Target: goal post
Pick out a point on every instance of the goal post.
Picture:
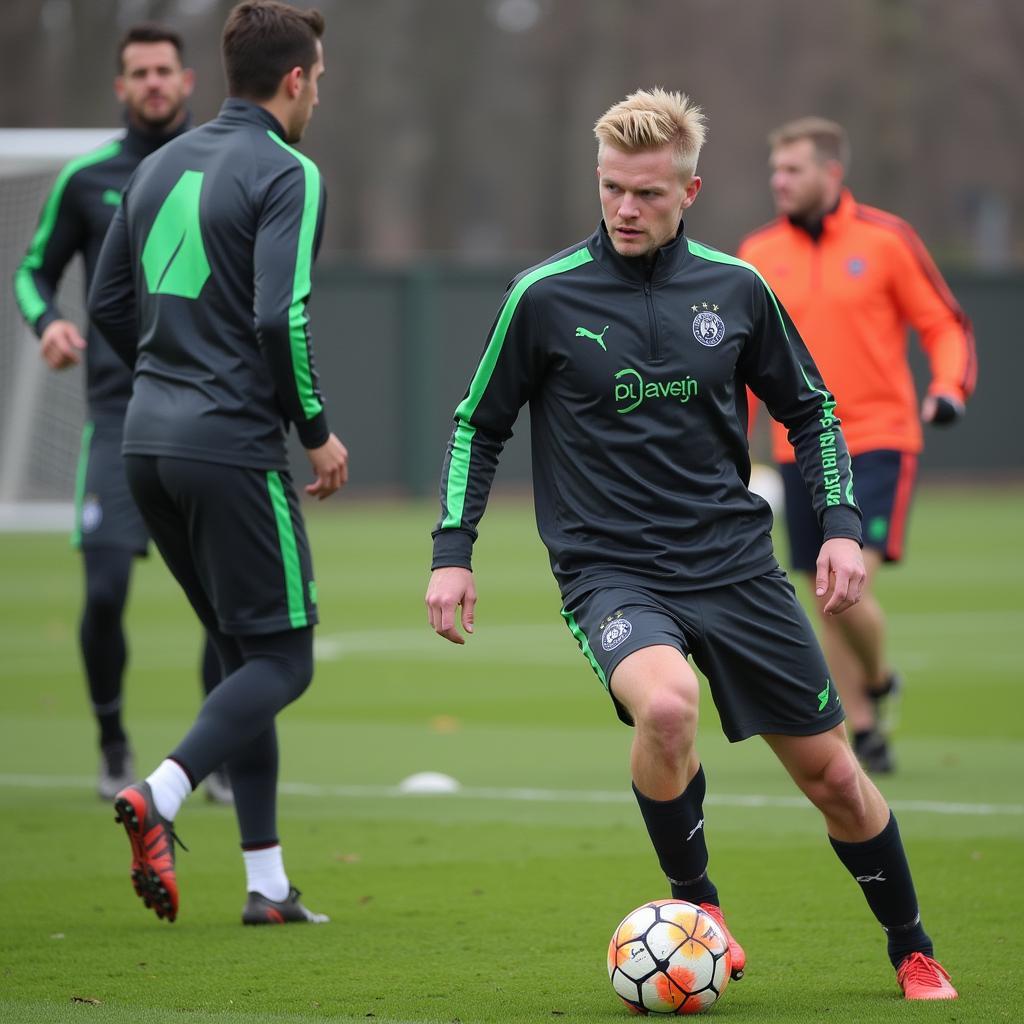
(41, 411)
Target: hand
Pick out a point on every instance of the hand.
(330, 463)
(941, 410)
(449, 587)
(61, 345)
(841, 567)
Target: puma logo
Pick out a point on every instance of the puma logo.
(582, 332)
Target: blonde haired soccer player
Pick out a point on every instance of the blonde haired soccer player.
(661, 552)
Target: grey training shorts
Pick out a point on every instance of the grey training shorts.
(751, 639)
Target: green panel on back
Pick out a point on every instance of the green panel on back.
(173, 258)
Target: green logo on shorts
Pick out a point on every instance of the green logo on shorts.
(823, 696)
(312, 591)
(878, 528)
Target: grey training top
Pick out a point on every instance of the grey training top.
(636, 376)
(74, 218)
(207, 263)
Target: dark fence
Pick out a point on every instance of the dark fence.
(396, 348)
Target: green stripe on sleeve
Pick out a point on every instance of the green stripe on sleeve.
(31, 303)
(289, 551)
(462, 443)
(81, 472)
(581, 639)
(458, 473)
(302, 284)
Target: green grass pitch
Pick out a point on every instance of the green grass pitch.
(496, 904)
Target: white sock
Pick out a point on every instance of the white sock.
(264, 873)
(170, 786)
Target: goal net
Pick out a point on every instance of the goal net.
(41, 411)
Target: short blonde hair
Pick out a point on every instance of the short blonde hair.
(652, 118)
(828, 138)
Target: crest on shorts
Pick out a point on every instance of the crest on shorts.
(92, 513)
(708, 326)
(615, 633)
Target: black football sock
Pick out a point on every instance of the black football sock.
(880, 866)
(676, 828)
(104, 651)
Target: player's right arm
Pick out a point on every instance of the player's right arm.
(287, 237)
(283, 253)
(59, 234)
(451, 587)
(502, 384)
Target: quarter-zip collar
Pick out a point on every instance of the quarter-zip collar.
(637, 269)
(831, 219)
(239, 111)
(139, 141)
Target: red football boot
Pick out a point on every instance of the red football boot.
(152, 838)
(739, 956)
(922, 977)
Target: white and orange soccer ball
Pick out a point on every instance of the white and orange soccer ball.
(668, 956)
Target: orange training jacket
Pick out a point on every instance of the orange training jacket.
(852, 294)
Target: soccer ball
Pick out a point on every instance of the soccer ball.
(668, 956)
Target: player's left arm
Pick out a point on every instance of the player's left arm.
(926, 302)
(778, 369)
(746, 253)
(112, 301)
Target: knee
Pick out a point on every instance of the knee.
(297, 666)
(107, 572)
(105, 596)
(288, 657)
(669, 718)
(838, 785)
(302, 673)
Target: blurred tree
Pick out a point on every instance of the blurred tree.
(464, 126)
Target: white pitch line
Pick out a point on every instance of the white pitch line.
(528, 795)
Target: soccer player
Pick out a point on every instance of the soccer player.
(207, 267)
(634, 349)
(854, 278)
(152, 86)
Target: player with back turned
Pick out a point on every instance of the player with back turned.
(854, 278)
(152, 86)
(634, 349)
(210, 255)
